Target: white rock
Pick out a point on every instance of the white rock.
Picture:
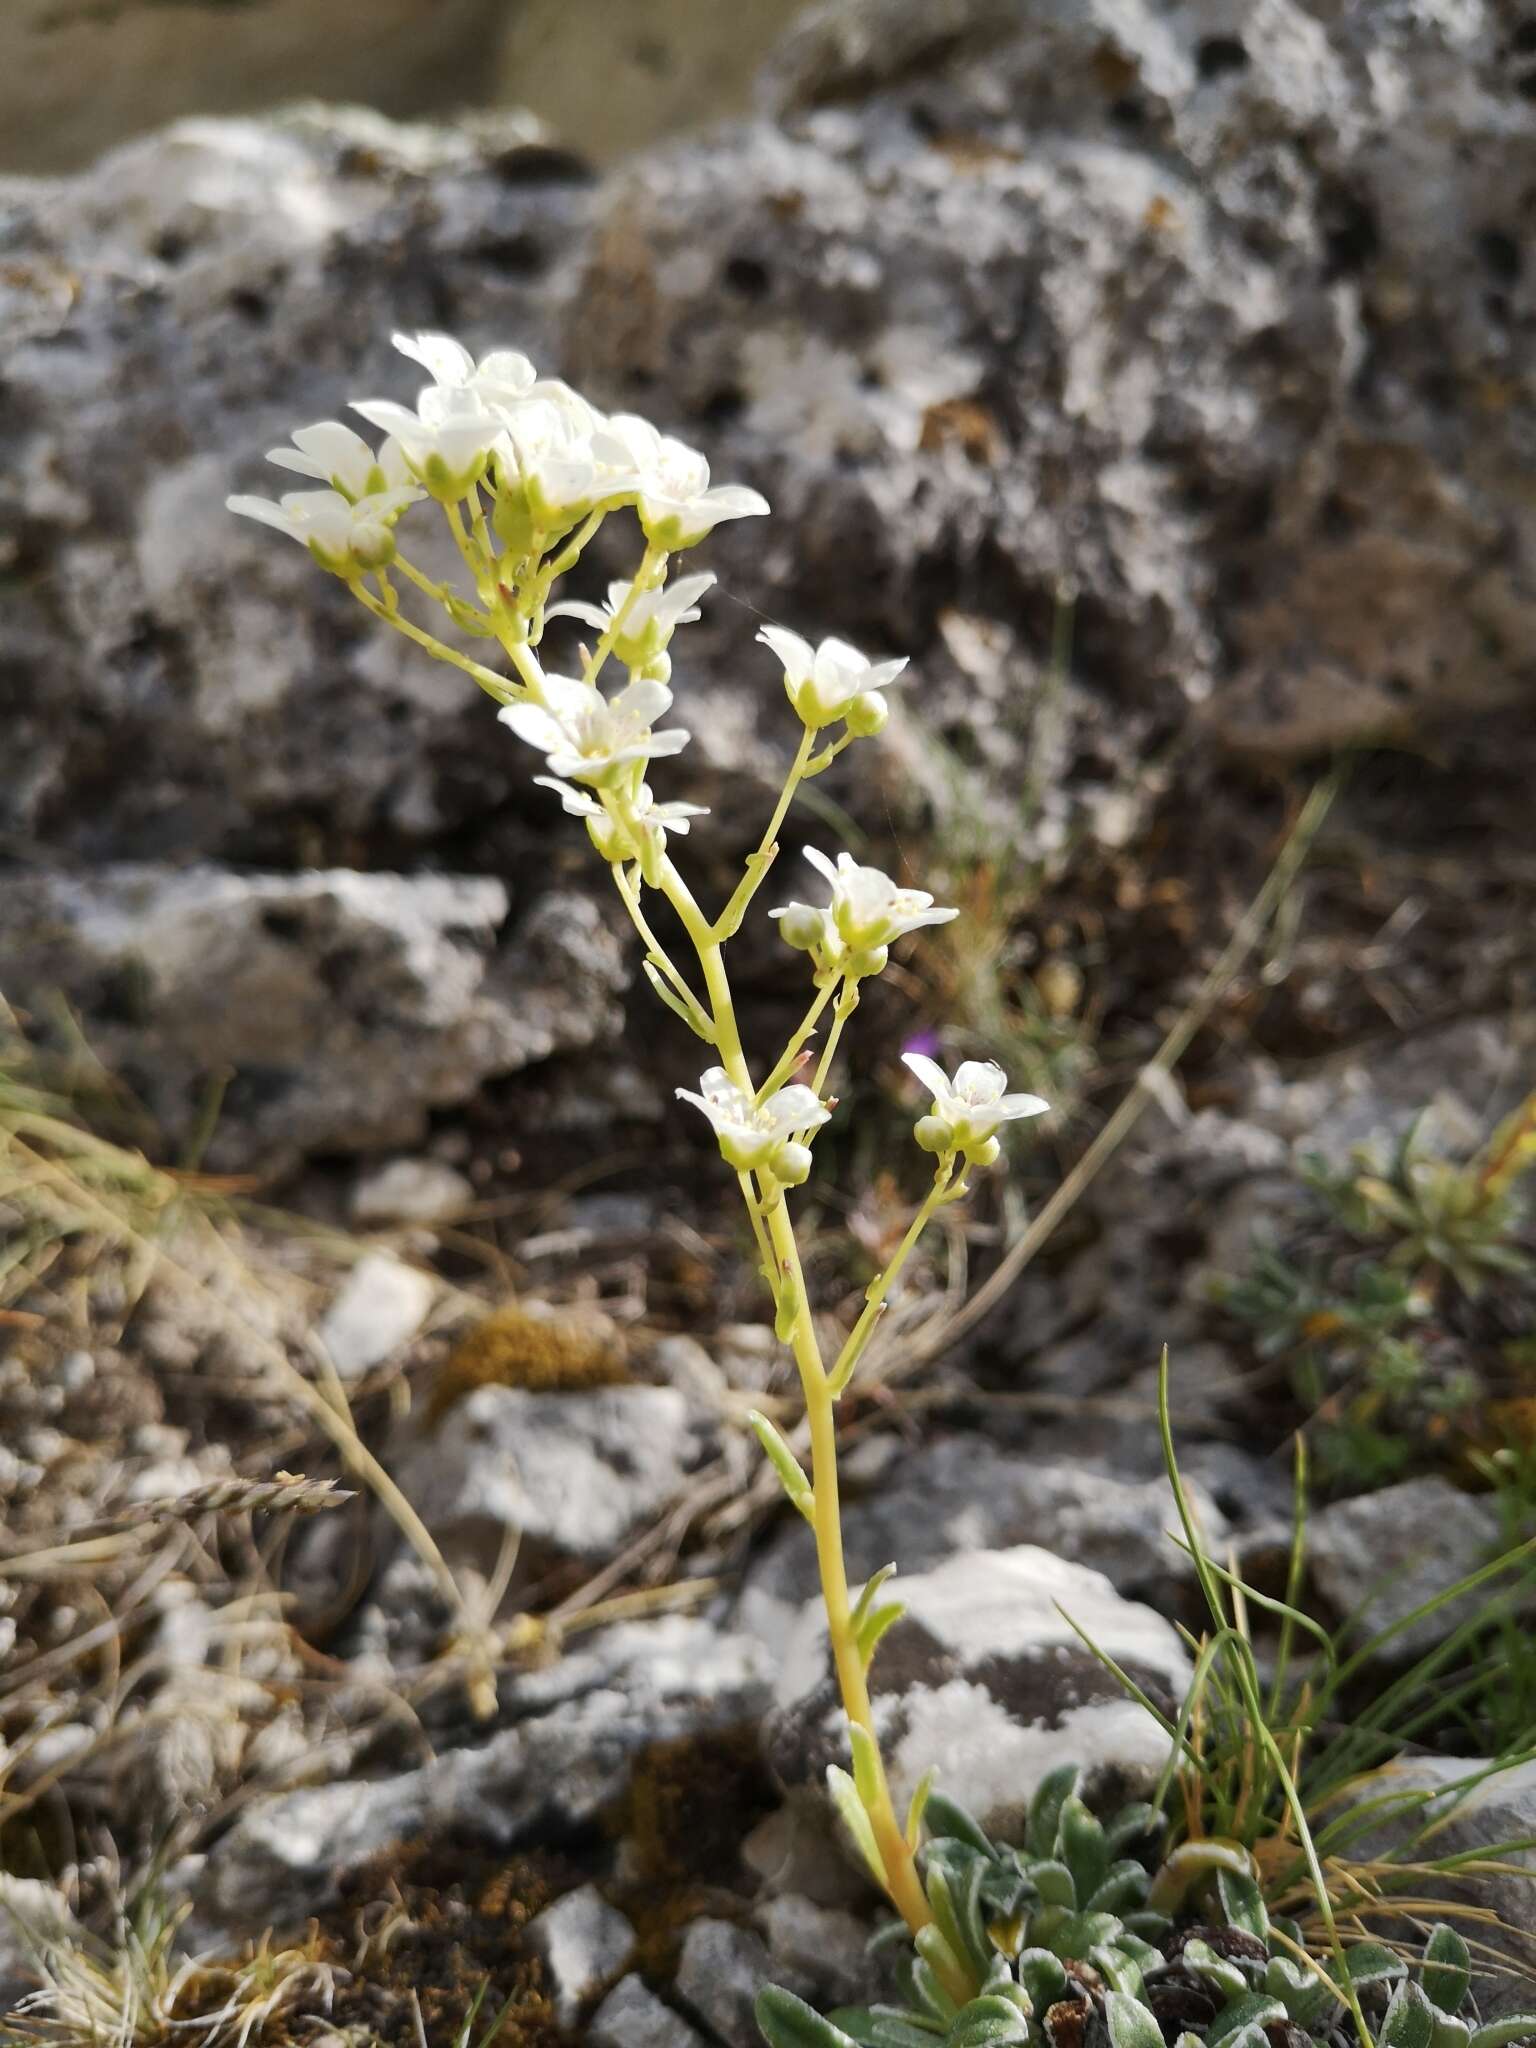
(633, 2017)
(719, 1974)
(583, 1942)
(33, 1917)
(985, 1683)
(578, 1472)
(382, 1306)
(410, 1191)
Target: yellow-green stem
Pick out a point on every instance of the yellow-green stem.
(902, 1881)
(875, 1298)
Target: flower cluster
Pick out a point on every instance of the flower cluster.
(524, 470)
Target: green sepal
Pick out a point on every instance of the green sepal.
(785, 1463)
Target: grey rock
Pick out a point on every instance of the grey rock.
(721, 1970)
(342, 1006)
(561, 1762)
(631, 2016)
(822, 1947)
(410, 1191)
(1376, 1558)
(34, 1918)
(381, 1306)
(1467, 1818)
(574, 1473)
(962, 1494)
(985, 1682)
(1007, 299)
(583, 1943)
(794, 1851)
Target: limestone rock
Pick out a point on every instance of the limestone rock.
(382, 1305)
(339, 1007)
(631, 2016)
(985, 1683)
(562, 1760)
(583, 1942)
(573, 1473)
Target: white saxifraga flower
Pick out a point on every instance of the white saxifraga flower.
(446, 440)
(967, 1110)
(334, 455)
(650, 621)
(501, 378)
(676, 503)
(343, 537)
(755, 1137)
(833, 680)
(867, 913)
(552, 463)
(587, 737)
(611, 840)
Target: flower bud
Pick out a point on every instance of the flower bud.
(985, 1154)
(867, 714)
(791, 1165)
(860, 966)
(657, 670)
(934, 1134)
(611, 841)
(372, 544)
(802, 927)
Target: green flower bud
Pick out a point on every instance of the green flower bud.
(802, 927)
(791, 1165)
(611, 841)
(372, 544)
(512, 517)
(657, 670)
(934, 1134)
(867, 715)
(985, 1154)
(860, 966)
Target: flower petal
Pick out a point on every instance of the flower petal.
(929, 1072)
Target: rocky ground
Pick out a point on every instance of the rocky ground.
(1177, 326)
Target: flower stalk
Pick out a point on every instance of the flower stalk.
(524, 472)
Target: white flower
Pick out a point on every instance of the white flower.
(650, 621)
(677, 506)
(343, 537)
(501, 378)
(334, 455)
(554, 462)
(650, 816)
(587, 736)
(751, 1133)
(445, 441)
(823, 682)
(973, 1104)
(868, 910)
